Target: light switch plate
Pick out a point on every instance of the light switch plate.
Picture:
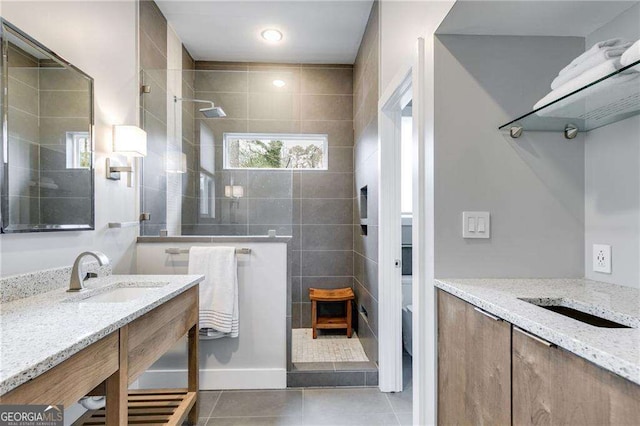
(476, 225)
(602, 258)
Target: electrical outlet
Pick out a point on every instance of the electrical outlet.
(602, 258)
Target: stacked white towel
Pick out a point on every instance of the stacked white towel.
(631, 55)
(218, 291)
(601, 60)
(598, 57)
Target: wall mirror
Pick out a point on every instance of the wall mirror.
(46, 167)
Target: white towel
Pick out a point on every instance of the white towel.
(587, 77)
(218, 291)
(594, 49)
(631, 55)
(597, 58)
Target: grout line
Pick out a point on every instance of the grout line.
(215, 404)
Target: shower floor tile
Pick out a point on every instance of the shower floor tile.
(326, 348)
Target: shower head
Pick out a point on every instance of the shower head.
(213, 112)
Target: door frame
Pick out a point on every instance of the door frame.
(390, 106)
(419, 78)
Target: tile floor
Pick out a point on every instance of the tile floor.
(309, 406)
(328, 347)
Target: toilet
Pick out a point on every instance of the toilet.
(407, 313)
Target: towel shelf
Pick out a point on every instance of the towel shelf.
(602, 102)
(175, 250)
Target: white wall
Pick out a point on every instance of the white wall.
(257, 358)
(612, 179)
(533, 186)
(100, 37)
(401, 24)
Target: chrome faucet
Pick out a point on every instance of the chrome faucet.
(77, 280)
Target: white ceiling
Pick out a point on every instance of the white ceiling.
(531, 18)
(314, 31)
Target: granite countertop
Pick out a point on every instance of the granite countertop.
(39, 332)
(615, 349)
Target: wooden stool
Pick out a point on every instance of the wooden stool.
(333, 295)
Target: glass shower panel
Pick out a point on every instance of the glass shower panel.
(187, 146)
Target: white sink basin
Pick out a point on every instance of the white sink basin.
(119, 295)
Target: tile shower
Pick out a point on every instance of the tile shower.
(315, 207)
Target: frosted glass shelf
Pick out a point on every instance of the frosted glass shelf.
(603, 102)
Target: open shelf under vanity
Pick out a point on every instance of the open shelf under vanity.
(602, 102)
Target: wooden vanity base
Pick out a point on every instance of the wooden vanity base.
(150, 407)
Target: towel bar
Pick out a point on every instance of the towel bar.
(175, 250)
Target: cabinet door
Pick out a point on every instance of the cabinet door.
(474, 365)
(553, 386)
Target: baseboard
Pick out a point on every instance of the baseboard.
(222, 379)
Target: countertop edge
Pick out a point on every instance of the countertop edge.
(33, 371)
(216, 239)
(602, 359)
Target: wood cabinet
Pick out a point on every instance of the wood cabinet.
(554, 387)
(493, 373)
(108, 366)
(474, 365)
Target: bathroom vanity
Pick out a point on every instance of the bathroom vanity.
(58, 347)
(506, 356)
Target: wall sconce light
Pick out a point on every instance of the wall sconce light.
(130, 141)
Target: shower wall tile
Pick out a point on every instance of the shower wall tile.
(365, 124)
(273, 126)
(341, 159)
(266, 184)
(222, 81)
(270, 211)
(274, 106)
(326, 107)
(327, 81)
(327, 185)
(320, 217)
(327, 237)
(326, 211)
(153, 23)
(327, 263)
(340, 132)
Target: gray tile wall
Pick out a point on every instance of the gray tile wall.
(365, 247)
(316, 207)
(153, 64)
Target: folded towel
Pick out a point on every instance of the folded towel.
(218, 291)
(597, 58)
(631, 55)
(587, 77)
(613, 95)
(591, 51)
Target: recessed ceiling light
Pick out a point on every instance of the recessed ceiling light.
(278, 83)
(271, 35)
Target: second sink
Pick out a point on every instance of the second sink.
(563, 307)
